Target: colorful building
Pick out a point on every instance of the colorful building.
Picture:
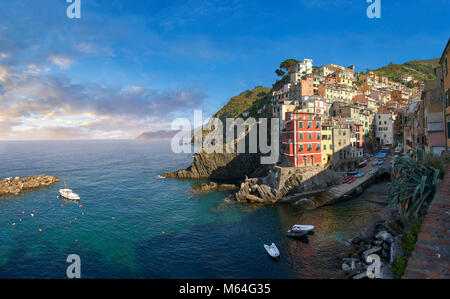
(302, 139)
(327, 142)
(445, 83)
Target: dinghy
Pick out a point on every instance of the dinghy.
(302, 228)
(272, 250)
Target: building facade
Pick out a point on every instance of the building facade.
(302, 139)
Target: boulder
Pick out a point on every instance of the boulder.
(385, 236)
(370, 251)
(253, 198)
(396, 249)
(346, 268)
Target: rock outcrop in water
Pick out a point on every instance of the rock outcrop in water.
(287, 182)
(203, 188)
(15, 186)
(221, 167)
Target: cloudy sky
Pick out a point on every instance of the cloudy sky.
(127, 67)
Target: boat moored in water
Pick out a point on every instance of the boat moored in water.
(296, 234)
(68, 194)
(272, 251)
(302, 228)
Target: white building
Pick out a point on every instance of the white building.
(385, 127)
(305, 66)
(314, 104)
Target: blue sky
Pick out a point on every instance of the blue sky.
(132, 66)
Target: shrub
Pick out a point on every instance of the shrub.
(399, 266)
(435, 162)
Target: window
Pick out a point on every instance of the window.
(300, 137)
(318, 136)
(318, 147)
(448, 130)
(446, 66)
(309, 136)
(324, 147)
(300, 124)
(310, 147)
(309, 125)
(318, 125)
(301, 148)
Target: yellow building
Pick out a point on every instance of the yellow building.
(327, 142)
(446, 90)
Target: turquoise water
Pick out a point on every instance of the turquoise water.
(203, 237)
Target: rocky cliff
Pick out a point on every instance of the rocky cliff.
(221, 167)
(15, 186)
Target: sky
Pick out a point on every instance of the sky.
(128, 67)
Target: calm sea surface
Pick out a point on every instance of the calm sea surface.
(203, 237)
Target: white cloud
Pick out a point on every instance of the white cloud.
(63, 62)
(35, 105)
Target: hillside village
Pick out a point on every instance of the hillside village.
(331, 116)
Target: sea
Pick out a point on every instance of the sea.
(131, 223)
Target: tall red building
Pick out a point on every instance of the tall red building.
(302, 140)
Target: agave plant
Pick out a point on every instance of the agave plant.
(413, 185)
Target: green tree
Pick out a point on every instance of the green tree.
(288, 63)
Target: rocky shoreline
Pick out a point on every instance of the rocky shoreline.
(203, 188)
(17, 185)
(382, 236)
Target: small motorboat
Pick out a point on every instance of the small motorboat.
(272, 250)
(296, 234)
(302, 228)
(68, 194)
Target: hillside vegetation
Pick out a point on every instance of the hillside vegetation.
(419, 69)
(248, 100)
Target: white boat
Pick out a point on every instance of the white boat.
(272, 250)
(302, 228)
(296, 234)
(68, 193)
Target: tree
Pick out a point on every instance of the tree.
(280, 73)
(288, 64)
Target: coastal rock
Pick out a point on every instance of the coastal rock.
(346, 268)
(370, 251)
(385, 236)
(361, 276)
(9, 186)
(253, 198)
(221, 166)
(211, 187)
(396, 249)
